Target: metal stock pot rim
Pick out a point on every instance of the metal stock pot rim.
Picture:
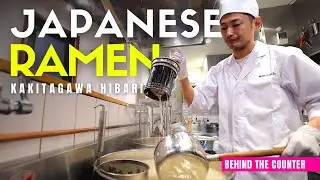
(207, 138)
(102, 172)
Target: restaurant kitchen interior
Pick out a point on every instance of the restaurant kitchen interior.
(58, 136)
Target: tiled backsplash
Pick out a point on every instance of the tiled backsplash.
(58, 112)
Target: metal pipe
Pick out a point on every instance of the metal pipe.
(139, 121)
(101, 132)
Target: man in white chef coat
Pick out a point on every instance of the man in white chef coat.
(259, 90)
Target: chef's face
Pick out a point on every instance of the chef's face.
(238, 29)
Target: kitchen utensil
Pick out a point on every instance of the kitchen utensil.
(160, 83)
(123, 169)
(116, 169)
(192, 155)
(314, 27)
(180, 152)
(145, 155)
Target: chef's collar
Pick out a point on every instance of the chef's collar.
(260, 49)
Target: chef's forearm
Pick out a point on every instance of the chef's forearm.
(315, 122)
(187, 90)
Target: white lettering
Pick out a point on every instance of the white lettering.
(148, 27)
(110, 87)
(134, 88)
(52, 18)
(226, 164)
(75, 30)
(117, 88)
(60, 88)
(164, 22)
(114, 27)
(30, 29)
(79, 87)
(288, 164)
(30, 88)
(89, 88)
(52, 89)
(37, 88)
(208, 23)
(193, 23)
(13, 88)
(44, 85)
(69, 89)
(103, 88)
(238, 164)
(126, 88)
(21, 88)
(262, 164)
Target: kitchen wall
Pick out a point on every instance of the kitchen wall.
(57, 111)
(304, 11)
(281, 16)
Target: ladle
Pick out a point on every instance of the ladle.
(183, 143)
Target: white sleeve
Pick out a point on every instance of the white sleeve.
(205, 94)
(302, 76)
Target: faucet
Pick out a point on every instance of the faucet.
(23, 106)
(101, 132)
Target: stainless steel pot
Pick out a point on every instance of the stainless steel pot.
(122, 169)
(116, 169)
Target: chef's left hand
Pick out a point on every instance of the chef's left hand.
(303, 142)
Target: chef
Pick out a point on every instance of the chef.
(260, 90)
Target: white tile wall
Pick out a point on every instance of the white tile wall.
(114, 119)
(59, 114)
(114, 114)
(18, 149)
(20, 123)
(85, 115)
(126, 115)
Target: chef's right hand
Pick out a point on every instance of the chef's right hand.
(178, 55)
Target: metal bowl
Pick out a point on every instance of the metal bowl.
(123, 169)
(207, 141)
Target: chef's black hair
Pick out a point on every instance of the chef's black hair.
(251, 17)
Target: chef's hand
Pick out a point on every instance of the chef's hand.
(303, 142)
(177, 54)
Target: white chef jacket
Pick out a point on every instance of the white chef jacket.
(259, 105)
